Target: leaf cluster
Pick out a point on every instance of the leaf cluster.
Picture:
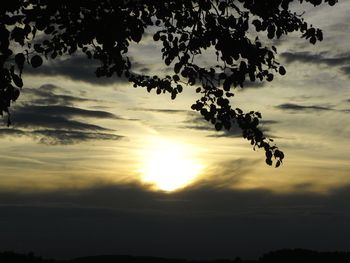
(103, 30)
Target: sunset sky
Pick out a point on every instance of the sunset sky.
(94, 166)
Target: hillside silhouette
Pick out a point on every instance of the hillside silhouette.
(279, 256)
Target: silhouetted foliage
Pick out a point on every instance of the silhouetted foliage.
(303, 255)
(32, 31)
(11, 257)
(280, 256)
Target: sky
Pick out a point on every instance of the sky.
(94, 166)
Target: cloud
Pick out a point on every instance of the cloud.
(225, 175)
(252, 85)
(56, 123)
(346, 70)
(11, 132)
(69, 133)
(45, 95)
(54, 137)
(308, 57)
(202, 223)
(197, 122)
(59, 136)
(77, 68)
(32, 119)
(65, 111)
(170, 111)
(297, 107)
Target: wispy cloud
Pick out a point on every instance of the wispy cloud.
(346, 70)
(298, 107)
(65, 111)
(77, 68)
(59, 136)
(54, 137)
(170, 111)
(308, 57)
(47, 95)
(36, 119)
(50, 118)
(252, 85)
(197, 122)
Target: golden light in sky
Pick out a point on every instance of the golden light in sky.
(169, 166)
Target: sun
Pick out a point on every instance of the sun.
(169, 166)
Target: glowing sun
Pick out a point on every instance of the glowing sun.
(169, 166)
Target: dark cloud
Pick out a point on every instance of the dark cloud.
(11, 132)
(201, 223)
(268, 122)
(54, 137)
(193, 119)
(61, 136)
(34, 120)
(234, 132)
(139, 67)
(346, 70)
(65, 111)
(297, 107)
(45, 95)
(78, 68)
(225, 175)
(170, 111)
(197, 122)
(252, 85)
(56, 123)
(308, 57)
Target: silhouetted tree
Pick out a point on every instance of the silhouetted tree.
(31, 30)
(303, 255)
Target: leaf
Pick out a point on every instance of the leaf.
(15, 94)
(332, 2)
(218, 126)
(313, 40)
(136, 36)
(278, 163)
(173, 94)
(19, 59)
(282, 70)
(269, 77)
(17, 80)
(36, 61)
(176, 78)
(268, 161)
(177, 67)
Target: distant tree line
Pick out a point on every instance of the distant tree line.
(279, 256)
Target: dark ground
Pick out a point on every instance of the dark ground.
(280, 256)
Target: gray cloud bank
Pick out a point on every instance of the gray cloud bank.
(50, 118)
(341, 61)
(308, 57)
(202, 223)
(77, 68)
(300, 108)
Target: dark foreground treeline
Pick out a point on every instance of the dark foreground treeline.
(280, 256)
